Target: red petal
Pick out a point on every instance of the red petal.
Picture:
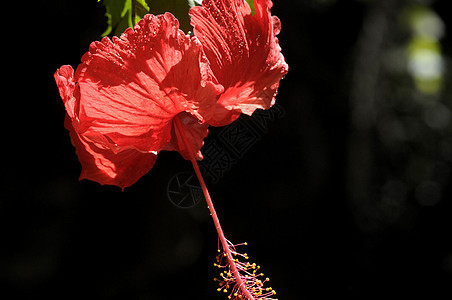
(64, 78)
(123, 98)
(194, 132)
(104, 166)
(244, 54)
(132, 87)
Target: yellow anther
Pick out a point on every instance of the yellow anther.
(225, 291)
(274, 292)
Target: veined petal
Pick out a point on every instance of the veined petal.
(64, 78)
(104, 166)
(243, 52)
(123, 98)
(194, 133)
(131, 87)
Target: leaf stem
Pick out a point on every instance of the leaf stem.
(134, 11)
(213, 213)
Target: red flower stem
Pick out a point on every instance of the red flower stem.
(213, 213)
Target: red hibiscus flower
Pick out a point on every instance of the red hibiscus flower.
(243, 52)
(124, 98)
(155, 88)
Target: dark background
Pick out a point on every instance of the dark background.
(347, 194)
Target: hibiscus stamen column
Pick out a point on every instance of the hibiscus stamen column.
(224, 242)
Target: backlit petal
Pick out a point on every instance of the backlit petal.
(132, 87)
(124, 96)
(244, 54)
(194, 133)
(102, 165)
(64, 78)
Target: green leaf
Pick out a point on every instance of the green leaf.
(192, 3)
(122, 14)
(251, 4)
